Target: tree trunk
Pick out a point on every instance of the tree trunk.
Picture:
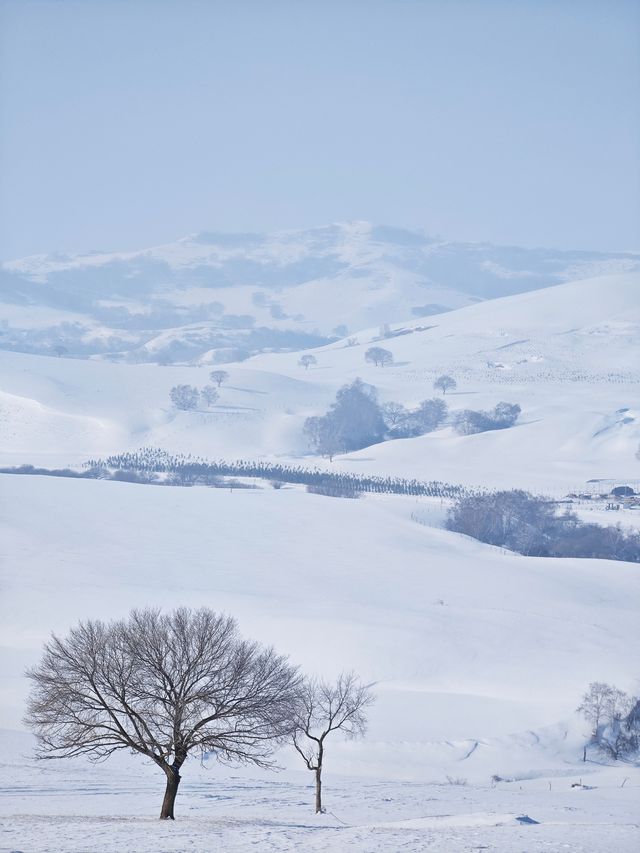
(318, 790)
(173, 780)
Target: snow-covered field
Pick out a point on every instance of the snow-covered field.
(112, 808)
(480, 657)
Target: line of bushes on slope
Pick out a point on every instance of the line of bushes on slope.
(146, 464)
(529, 524)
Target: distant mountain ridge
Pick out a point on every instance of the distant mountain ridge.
(236, 294)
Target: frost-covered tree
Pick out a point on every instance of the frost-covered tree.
(353, 421)
(307, 360)
(218, 376)
(614, 717)
(323, 436)
(378, 356)
(445, 383)
(209, 395)
(163, 685)
(184, 397)
(595, 703)
(325, 708)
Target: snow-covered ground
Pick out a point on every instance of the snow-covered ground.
(479, 656)
(111, 808)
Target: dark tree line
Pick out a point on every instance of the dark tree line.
(146, 464)
(529, 524)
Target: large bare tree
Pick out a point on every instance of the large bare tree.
(163, 685)
(326, 708)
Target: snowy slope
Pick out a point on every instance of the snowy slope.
(443, 623)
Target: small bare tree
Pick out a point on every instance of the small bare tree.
(307, 360)
(163, 685)
(209, 395)
(218, 376)
(445, 383)
(378, 356)
(326, 708)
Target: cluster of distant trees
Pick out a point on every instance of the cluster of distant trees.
(614, 717)
(529, 524)
(188, 397)
(169, 686)
(357, 419)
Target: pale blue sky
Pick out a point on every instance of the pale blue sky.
(127, 123)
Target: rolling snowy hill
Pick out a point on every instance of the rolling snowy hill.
(231, 295)
(568, 355)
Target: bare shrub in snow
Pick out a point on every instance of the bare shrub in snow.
(165, 686)
(334, 490)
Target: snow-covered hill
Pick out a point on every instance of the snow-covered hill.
(230, 295)
(569, 355)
